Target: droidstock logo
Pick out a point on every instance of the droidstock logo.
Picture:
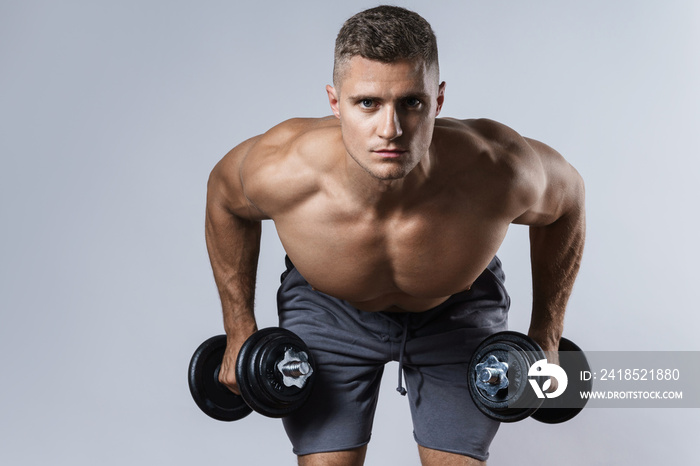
(544, 369)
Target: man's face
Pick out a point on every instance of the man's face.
(387, 113)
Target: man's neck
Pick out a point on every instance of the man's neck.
(384, 194)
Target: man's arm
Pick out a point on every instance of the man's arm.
(557, 233)
(232, 230)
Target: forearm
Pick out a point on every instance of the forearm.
(234, 244)
(556, 252)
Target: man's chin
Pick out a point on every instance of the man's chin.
(386, 170)
(390, 176)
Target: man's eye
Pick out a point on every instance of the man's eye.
(412, 102)
(366, 103)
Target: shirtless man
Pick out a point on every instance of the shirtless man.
(391, 219)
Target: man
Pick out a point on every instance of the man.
(391, 219)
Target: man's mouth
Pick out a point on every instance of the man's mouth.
(390, 153)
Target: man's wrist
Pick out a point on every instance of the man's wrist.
(547, 338)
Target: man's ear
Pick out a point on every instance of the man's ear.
(440, 98)
(333, 100)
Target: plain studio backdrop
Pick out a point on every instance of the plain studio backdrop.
(114, 113)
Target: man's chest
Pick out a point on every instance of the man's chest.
(423, 253)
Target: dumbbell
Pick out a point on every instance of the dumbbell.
(274, 370)
(502, 379)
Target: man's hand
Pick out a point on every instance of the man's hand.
(227, 373)
(552, 354)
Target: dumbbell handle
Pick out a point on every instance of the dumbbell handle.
(491, 375)
(295, 368)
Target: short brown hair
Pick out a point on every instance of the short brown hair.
(386, 34)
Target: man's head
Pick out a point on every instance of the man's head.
(386, 90)
(386, 34)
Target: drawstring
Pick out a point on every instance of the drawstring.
(400, 388)
(402, 350)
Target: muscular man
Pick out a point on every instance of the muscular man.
(391, 219)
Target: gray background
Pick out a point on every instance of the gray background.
(113, 114)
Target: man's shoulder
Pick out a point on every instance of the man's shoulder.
(296, 128)
(285, 163)
(492, 154)
(297, 137)
(485, 143)
(481, 132)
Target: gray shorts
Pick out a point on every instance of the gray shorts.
(351, 348)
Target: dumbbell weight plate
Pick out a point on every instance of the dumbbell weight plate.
(555, 410)
(211, 396)
(260, 382)
(517, 401)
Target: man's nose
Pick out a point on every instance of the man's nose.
(390, 125)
